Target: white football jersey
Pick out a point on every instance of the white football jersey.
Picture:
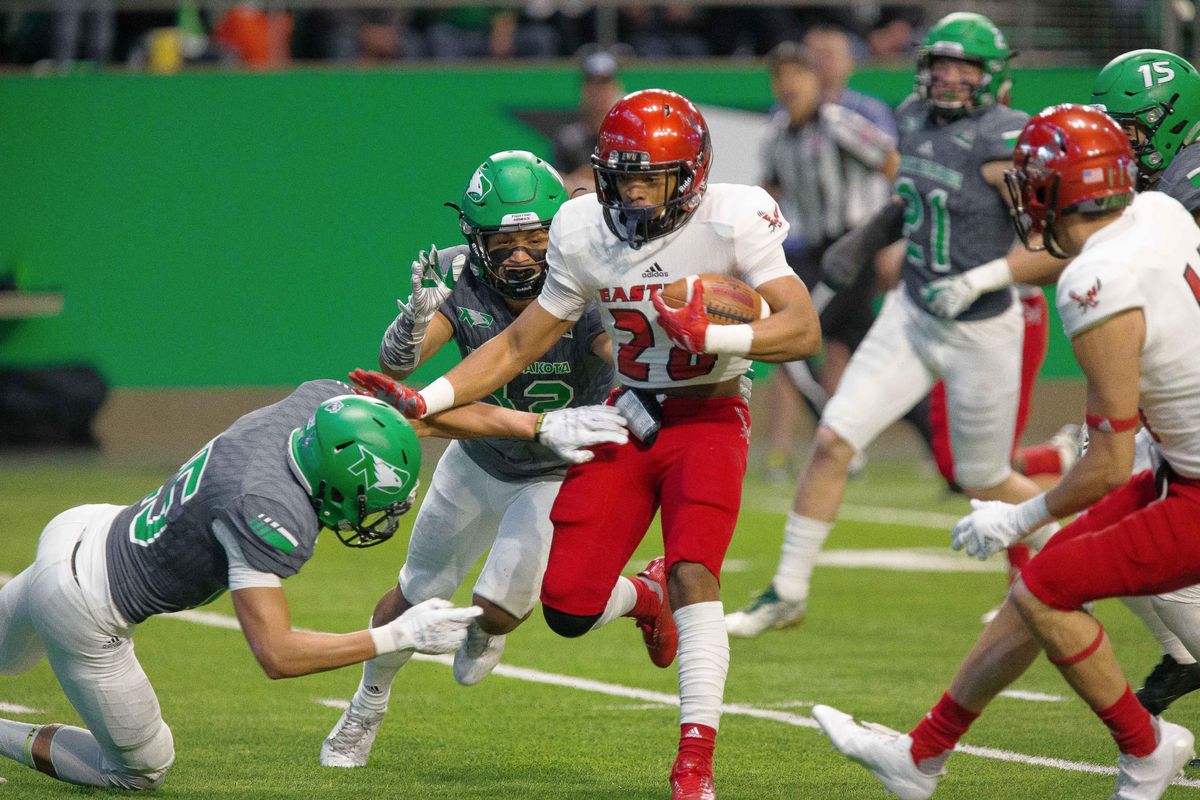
(736, 230)
(1147, 259)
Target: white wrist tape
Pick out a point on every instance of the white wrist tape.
(1033, 514)
(734, 340)
(994, 275)
(439, 396)
(386, 640)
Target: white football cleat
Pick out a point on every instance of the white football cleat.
(1148, 777)
(349, 743)
(885, 753)
(477, 656)
(768, 612)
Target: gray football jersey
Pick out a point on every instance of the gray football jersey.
(161, 553)
(1181, 180)
(954, 220)
(569, 374)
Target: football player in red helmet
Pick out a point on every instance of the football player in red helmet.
(651, 164)
(1129, 304)
(654, 220)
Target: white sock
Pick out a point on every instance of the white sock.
(621, 601)
(802, 540)
(378, 675)
(1143, 608)
(1183, 620)
(703, 662)
(74, 752)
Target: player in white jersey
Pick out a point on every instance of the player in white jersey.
(1130, 303)
(654, 220)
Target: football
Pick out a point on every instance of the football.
(727, 301)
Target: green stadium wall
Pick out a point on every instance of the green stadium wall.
(230, 229)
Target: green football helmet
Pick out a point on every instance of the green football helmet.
(967, 37)
(1155, 97)
(513, 190)
(361, 463)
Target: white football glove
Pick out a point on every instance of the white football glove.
(990, 528)
(431, 285)
(434, 626)
(950, 296)
(568, 431)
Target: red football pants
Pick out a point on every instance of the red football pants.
(1033, 353)
(693, 471)
(1128, 543)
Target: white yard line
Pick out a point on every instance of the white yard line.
(883, 515)
(909, 559)
(1033, 697)
(14, 708)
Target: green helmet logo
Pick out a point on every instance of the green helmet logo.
(360, 460)
(1154, 96)
(967, 37)
(512, 191)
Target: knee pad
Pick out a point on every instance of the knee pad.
(568, 625)
(145, 766)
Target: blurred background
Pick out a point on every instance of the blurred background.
(205, 203)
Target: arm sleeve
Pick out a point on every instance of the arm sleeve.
(271, 536)
(855, 251)
(759, 231)
(397, 341)
(562, 295)
(1091, 292)
(241, 574)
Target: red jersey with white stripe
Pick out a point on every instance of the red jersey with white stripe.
(1147, 259)
(736, 230)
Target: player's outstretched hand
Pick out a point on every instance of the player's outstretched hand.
(408, 402)
(570, 430)
(987, 530)
(434, 626)
(686, 327)
(432, 283)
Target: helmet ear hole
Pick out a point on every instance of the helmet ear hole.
(336, 495)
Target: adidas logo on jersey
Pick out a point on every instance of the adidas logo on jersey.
(655, 271)
(925, 148)
(113, 643)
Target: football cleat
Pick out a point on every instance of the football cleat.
(1166, 683)
(658, 630)
(349, 743)
(885, 753)
(768, 612)
(477, 656)
(692, 779)
(1148, 777)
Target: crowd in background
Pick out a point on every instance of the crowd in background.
(93, 31)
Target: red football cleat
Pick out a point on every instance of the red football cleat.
(692, 779)
(658, 629)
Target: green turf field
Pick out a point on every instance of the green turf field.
(590, 718)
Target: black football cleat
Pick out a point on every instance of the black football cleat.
(1166, 683)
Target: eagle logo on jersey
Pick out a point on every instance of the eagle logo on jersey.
(479, 186)
(773, 221)
(1088, 300)
(379, 474)
(475, 318)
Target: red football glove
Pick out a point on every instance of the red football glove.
(407, 401)
(686, 327)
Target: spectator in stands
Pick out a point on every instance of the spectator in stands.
(675, 30)
(484, 32)
(892, 39)
(599, 88)
(82, 29)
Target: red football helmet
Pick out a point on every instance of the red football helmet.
(652, 132)
(1069, 158)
